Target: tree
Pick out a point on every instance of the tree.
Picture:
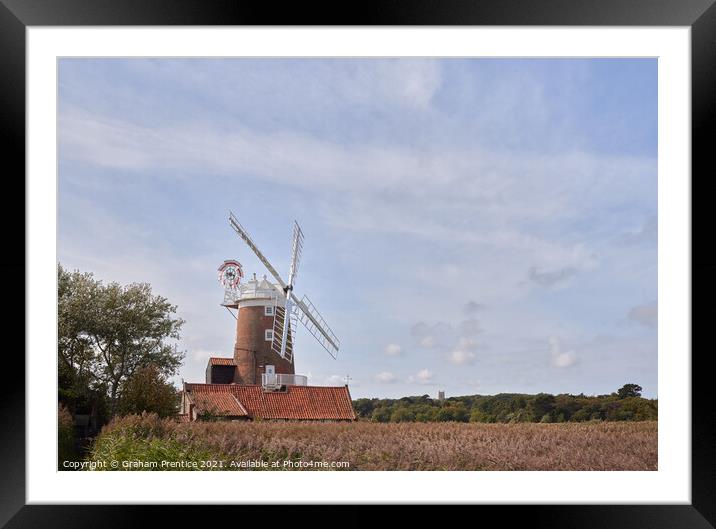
(629, 390)
(445, 414)
(478, 416)
(65, 437)
(147, 391)
(381, 414)
(108, 332)
(363, 407)
(542, 404)
(402, 414)
(460, 412)
(74, 347)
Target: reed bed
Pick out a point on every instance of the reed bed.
(378, 446)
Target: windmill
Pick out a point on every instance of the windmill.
(289, 308)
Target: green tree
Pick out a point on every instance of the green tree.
(108, 332)
(460, 413)
(75, 293)
(402, 414)
(629, 390)
(426, 413)
(445, 414)
(478, 416)
(364, 407)
(541, 404)
(65, 437)
(381, 414)
(148, 391)
(581, 415)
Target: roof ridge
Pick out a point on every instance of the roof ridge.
(239, 403)
(299, 402)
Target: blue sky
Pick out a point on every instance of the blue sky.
(472, 225)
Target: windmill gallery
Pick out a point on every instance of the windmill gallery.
(259, 382)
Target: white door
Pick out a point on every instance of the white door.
(270, 375)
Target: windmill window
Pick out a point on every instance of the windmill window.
(268, 310)
(268, 335)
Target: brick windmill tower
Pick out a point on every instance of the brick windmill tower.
(267, 316)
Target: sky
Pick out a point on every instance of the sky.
(471, 225)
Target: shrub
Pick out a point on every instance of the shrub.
(65, 437)
(146, 438)
(381, 414)
(148, 391)
(402, 415)
(445, 414)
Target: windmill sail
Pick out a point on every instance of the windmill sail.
(308, 314)
(296, 247)
(284, 333)
(245, 236)
(297, 309)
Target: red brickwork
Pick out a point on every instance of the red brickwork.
(251, 350)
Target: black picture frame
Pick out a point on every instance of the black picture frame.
(17, 15)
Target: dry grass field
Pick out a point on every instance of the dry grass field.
(376, 446)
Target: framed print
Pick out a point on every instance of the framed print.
(449, 250)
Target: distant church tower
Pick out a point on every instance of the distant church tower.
(256, 303)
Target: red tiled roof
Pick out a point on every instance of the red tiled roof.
(183, 417)
(223, 404)
(297, 402)
(214, 361)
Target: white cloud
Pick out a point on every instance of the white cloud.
(462, 357)
(431, 335)
(393, 349)
(335, 380)
(647, 314)
(424, 376)
(427, 342)
(561, 359)
(464, 353)
(416, 80)
(202, 355)
(490, 184)
(385, 377)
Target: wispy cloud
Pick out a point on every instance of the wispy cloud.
(464, 354)
(550, 278)
(335, 380)
(393, 349)
(561, 358)
(424, 376)
(385, 377)
(648, 232)
(647, 314)
(472, 307)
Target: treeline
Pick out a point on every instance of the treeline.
(624, 405)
